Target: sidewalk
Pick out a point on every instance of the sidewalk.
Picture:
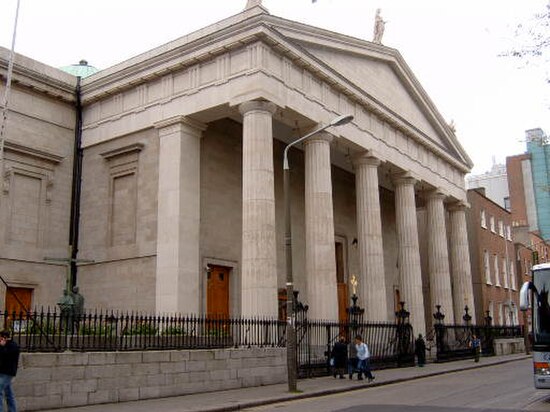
(238, 399)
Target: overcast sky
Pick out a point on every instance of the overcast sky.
(451, 46)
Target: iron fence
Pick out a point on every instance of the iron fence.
(48, 329)
(390, 344)
(453, 342)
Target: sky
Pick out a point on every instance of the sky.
(452, 47)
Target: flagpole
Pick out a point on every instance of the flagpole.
(7, 92)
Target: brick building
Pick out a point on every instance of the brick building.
(494, 274)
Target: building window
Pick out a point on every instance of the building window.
(501, 228)
(487, 267)
(483, 219)
(492, 311)
(512, 277)
(509, 233)
(507, 204)
(505, 272)
(497, 275)
(501, 314)
(492, 223)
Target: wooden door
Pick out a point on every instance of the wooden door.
(18, 300)
(217, 295)
(341, 283)
(18, 303)
(342, 302)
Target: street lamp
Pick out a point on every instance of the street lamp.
(290, 324)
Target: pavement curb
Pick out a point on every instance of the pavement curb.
(324, 392)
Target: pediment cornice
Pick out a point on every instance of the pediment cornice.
(288, 39)
(304, 34)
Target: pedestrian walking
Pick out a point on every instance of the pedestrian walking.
(420, 350)
(9, 360)
(363, 356)
(475, 344)
(339, 357)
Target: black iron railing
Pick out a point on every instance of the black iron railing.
(47, 329)
(455, 341)
(390, 344)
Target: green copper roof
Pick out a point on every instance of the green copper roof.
(82, 69)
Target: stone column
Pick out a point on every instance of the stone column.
(178, 216)
(463, 293)
(259, 258)
(410, 275)
(322, 294)
(438, 256)
(372, 279)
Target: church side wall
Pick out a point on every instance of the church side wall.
(118, 223)
(35, 196)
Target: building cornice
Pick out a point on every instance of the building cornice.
(10, 146)
(37, 76)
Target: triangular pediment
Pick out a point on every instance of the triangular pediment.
(379, 72)
(378, 79)
(373, 75)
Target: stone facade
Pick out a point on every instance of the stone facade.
(182, 173)
(35, 196)
(62, 380)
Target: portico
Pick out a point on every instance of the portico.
(213, 113)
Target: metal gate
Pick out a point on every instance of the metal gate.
(390, 344)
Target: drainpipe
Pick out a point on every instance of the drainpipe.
(76, 189)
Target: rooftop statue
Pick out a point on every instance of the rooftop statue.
(252, 3)
(379, 26)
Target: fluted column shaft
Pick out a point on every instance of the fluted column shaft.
(322, 294)
(463, 293)
(438, 256)
(178, 216)
(258, 263)
(372, 280)
(410, 275)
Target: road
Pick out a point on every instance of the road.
(502, 387)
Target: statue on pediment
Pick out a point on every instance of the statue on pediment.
(452, 126)
(253, 3)
(379, 26)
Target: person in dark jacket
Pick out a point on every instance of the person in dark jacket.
(420, 350)
(339, 357)
(9, 361)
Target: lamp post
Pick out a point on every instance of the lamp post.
(467, 317)
(438, 315)
(290, 324)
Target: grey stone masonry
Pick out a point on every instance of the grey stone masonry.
(59, 380)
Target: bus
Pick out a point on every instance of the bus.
(535, 295)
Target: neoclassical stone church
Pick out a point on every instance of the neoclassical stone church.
(181, 202)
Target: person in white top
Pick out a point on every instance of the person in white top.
(363, 356)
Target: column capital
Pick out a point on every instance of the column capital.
(321, 136)
(437, 193)
(404, 178)
(459, 206)
(178, 124)
(257, 105)
(368, 158)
